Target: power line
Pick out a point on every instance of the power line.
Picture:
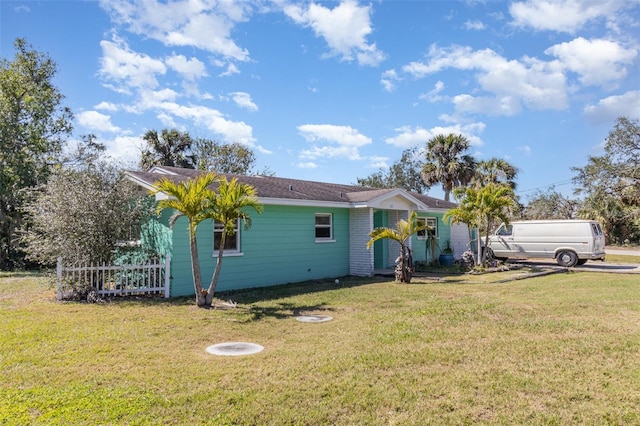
(560, 183)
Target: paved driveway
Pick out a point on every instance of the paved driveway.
(590, 266)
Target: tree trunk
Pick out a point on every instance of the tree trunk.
(216, 273)
(195, 268)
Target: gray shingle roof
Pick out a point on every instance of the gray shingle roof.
(291, 189)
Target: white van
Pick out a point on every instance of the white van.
(570, 242)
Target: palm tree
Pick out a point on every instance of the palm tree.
(495, 170)
(228, 207)
(404, 230)
(194, 199)
(169, 148)
(483, 207)
(191, 198)
(447, 164)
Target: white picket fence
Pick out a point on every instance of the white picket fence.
(115, 280)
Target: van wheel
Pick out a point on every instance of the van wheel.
(567, 259)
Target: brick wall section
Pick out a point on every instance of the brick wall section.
(360, 259)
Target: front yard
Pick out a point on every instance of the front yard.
(557, 349)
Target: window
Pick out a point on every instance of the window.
(232, 244)
(324, 227)
(432, 222)
(504, 230)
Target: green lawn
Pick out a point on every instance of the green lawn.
(557, 349)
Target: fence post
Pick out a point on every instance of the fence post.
(167, 276)
(59, 274)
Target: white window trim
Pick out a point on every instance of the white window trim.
(229, 252)
(330, 226)
(426, 221)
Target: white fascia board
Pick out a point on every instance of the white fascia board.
(160, 170)
(303, 203)
(140, 182)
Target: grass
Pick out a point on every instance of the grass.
(557, 349)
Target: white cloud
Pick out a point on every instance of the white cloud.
(95, 121)
(107, 106)
(231, 70)
(307, 165)
(205, 24)
(562, 16)
(343, 141)
(345, 29)
(409, 137)
(596, 61)
(243, 100)
(378, 162)
(190, 69)
(124, 66)
(508, 83)
(608, 109)
(124, 149)
(434, 94)
(474, 25)
(214, 120)
(388, 79)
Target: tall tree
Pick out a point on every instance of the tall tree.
(401, 233)
(167, 148)
(495, 170)
(195, 200)
(233, 158)
(447, 164)
(550, 205)
(33, 128)
(611, 183)
(404, 173)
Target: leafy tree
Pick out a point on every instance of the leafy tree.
(167, 148)
(83, 214)
(483, 208)
(550, 205)
(447, 164)
(232, 158)
(33, 127)
(403, 231)
(495, 170)
(404, 173)
(195, 200)
(611, 183)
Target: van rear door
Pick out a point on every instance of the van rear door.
(598, 238)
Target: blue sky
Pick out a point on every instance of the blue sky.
(333, 91)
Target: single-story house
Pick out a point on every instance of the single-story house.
(308, 230)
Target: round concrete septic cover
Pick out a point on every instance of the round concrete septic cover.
(234, 349)
(314, 318)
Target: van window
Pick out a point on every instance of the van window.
(597, 230)
(504, 230)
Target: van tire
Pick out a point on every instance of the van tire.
(568, 259)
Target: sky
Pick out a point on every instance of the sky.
(333, 91)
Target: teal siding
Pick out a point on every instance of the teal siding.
(279, 248)
(420, 250)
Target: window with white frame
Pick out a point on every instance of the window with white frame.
(432, 223)
(324, 227)
(232, 242)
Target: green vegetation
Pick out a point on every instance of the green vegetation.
(558, 349)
